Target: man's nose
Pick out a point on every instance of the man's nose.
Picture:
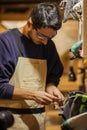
(44, 41)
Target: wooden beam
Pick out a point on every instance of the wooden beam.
(85, 28)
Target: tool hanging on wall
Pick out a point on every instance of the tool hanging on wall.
(82, 73)
(76, 50)
(71, 7)
(71, 74)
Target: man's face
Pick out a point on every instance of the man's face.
(42, 35)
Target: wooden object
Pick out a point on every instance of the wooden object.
(66, 86)
(85, 28)
(53, 120)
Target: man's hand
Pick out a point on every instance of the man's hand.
(41, 97)
(53, 90)
(44, 98)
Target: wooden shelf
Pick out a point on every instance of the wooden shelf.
(65, 85)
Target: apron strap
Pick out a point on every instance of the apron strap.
(18, 41)
(23, 111)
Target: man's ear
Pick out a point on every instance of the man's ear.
(30, 26)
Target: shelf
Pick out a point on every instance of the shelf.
(65, 85)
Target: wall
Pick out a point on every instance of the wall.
(65, 38)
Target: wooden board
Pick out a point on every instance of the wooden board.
(85, 28)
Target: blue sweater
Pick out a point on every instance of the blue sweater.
(9, 53)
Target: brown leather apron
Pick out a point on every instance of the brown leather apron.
(29, 73)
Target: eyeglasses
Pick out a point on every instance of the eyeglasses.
(42, 36)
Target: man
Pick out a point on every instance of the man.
(30, 68)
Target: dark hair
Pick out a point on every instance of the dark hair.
(46, 15)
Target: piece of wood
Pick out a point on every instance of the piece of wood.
(85, 28)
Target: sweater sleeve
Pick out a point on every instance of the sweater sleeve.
(54, 65)
(7, 66)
